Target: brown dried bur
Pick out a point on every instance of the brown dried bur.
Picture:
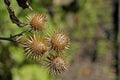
(36, 47)
(37, 21)
(56, 65)
(60, 42)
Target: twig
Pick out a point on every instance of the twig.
(13, 18)
(12, 38)
(8, 39)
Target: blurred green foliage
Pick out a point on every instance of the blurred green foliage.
(30, 72)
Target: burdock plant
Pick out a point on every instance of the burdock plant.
(35, 45)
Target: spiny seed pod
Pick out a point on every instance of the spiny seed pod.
(37, 21)
(36, 47)
(59, 42)
(56, 65)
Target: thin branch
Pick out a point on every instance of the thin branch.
(8, 39)
(14, 38)
(13, 18)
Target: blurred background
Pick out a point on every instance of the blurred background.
(93, 29)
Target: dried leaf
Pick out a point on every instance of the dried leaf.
(24, 4)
